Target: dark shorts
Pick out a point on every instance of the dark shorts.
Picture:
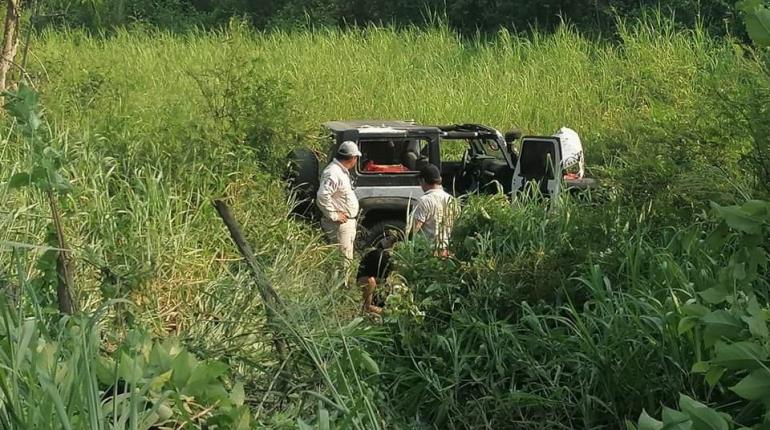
(375, 264)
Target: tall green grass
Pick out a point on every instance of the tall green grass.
(537, 83)
(154, 125)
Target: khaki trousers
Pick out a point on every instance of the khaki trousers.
(342, 234)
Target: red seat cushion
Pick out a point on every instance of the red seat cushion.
(370, 166)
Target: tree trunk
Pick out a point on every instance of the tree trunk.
(10, 40)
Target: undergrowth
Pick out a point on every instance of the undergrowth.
(562, 316)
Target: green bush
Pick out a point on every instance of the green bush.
(723, 314)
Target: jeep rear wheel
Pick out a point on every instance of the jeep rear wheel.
(301, 178)
(370, 236)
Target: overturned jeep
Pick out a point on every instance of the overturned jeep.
(472, 158)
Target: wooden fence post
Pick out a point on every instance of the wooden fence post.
(65, 284)
(266, 291)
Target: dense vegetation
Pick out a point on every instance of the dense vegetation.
(651, 293)
(465, 16)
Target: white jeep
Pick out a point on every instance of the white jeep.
(472, 158)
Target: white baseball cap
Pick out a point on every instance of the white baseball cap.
(349, 148)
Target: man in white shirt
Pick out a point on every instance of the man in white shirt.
(436, 210)
(337, 200)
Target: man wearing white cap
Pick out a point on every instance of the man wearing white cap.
(337, 200)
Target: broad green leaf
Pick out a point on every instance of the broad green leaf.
(19, 180)
(714, 295)
(753, 306)
(708, 419)
(182, 368)
(52, 157)
(757, 207)
(22, 105)
(675, 420)
(243, 422)
(238, 396)
(158, 382)
(164, 411)
(28, 330)
(59, 183)
(703, 417)
(755, 386)
(647, 422)
(714, 374)
(737, 219)
(757, 325)
(368, 363)
(129, 369)
(45, 357)
(323, 418)
(160, 357)
(39, 176)
(758, 256)
(205, 374)
(695, 310)
(757, 19)
(686, 324)
(718, 237)
(749, 5)
(739, 355)
(700, 367)
(303, 425)
(721, 324)
(739, 271)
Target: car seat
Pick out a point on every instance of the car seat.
(379, 152)
(411, 155)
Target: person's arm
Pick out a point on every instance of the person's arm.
(419, 217)
(324, 198)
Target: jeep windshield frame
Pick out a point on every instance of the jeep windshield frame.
(476, 134)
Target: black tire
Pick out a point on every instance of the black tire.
(301, 177)
(370, 236)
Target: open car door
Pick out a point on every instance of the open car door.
(539, 164)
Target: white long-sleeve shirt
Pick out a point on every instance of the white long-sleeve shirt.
(335, 194)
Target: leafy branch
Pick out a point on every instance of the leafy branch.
(24, 107)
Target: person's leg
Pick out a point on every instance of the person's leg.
(346, 237)
(369, 285)
(330, 229)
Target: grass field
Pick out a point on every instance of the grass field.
(563, 319)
